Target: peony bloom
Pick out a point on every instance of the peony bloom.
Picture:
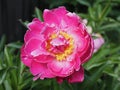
(57, 47)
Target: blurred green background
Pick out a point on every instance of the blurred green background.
(102, 72)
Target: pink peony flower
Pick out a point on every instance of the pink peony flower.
(57, 47)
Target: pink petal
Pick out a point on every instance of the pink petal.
(27, 61)
(37, 68)
(78, 62)
(41, 70)
(32, 45)
(31, 34)
(36, 25)
(54, 16)
(77, 76)
(72, 19)
(39, 29)
(61, 68)
(50, 17)
(80, 41)
(88, 52)
(83, 43)
(57, 42)
(74, 58)
(44, 58)
(47, 31)
(40, 51)
(61, 17)
(98, 42)
(60, 11)
(25, 58)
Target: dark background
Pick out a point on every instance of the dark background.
(13, 10)
(10, 13)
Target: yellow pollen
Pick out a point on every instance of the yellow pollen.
(68, 50)
(53, 36)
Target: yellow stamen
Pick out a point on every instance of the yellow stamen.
(67, 51)
(53, 36)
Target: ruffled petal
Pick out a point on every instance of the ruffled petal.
(77, 76)
(27, 61)
(61, 68)
(36, 25)
(25, 58)
(50, 17)
(78, 63)
(32, 45)
(39, 29)
(41, 70)
(83, 43)
(61, 17)
(88, 52)
(37, 68)
(54, 17)
(78, 36)
(31, 34)
(57, 42)
(74, 58)
(47, 31)
(60, 11)
(44, 58)
(72, 19)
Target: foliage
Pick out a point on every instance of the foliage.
(102, 72)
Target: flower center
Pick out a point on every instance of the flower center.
(60, 45)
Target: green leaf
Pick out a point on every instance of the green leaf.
(106, 10)
(24, 23)
(3, 74)
(2, 42)
(38, 13)
(15, 45)
(91, 80)
(117, 86)
(56, 86)
(7, 85)
(84, 2)
(109, 26)
(1, 87)
(91, 13)
(109, 71)
(97, 59)
(7, 55)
